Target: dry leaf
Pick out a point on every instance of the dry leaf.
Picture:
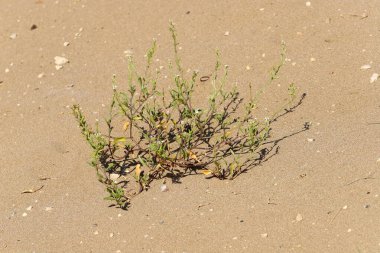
(126, 126)
(193, 156)
(32, 190)
(120, 140)
(206, 172)
(138, 170)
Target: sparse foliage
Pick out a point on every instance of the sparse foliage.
(165, 134)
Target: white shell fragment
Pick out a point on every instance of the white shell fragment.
(60, 61)
(374, 77)
(164, 188)
(366, 66)
(13, 36)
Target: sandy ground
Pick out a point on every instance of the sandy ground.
(314, 196)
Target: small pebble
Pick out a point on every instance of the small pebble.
(48, 209)
(114, 176)
(13, 36)
(60, 61)
(65, 44)
(6, 70)
(310, 139)
(128, 53)
(299, 217)
(248, 67)
(111, 235)
(265, 235)
(234, 238)
(41, 75)
(349, 230)
(312, 59)
(344, 208)
(96, 232)
(33, 27)
(366, 66)
(367, 206)
(29, 208)
(24, 214)
(164, 188)
(308, 4)
(374, 77)
(226, 33)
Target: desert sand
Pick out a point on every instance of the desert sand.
(320, 193)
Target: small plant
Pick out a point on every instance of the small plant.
(166, 134)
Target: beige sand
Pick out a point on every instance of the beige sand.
(314, 196)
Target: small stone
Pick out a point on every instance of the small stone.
(312, 59)
(344, 208)
(13, 36)
(96, 232)
(41, 75)
(58, 67)
(261, 9)
(111, 235)
(48, 209)
(114, 176)
(234, 238)
(24, 214)
(60, 61)
(33, 27)
(366, 66)
(349, 230)
(299, 218)
(308, 4)
(66, 44)
(164, 188)
(119, 215)
(310, 139)
(226, 33)
(265, 235)
(29, 208)
(374, 77)
(248, 67)
(378, 160)
(6, 70)
(128, 53)
(366, 206)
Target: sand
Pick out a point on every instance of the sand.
(319, 194)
